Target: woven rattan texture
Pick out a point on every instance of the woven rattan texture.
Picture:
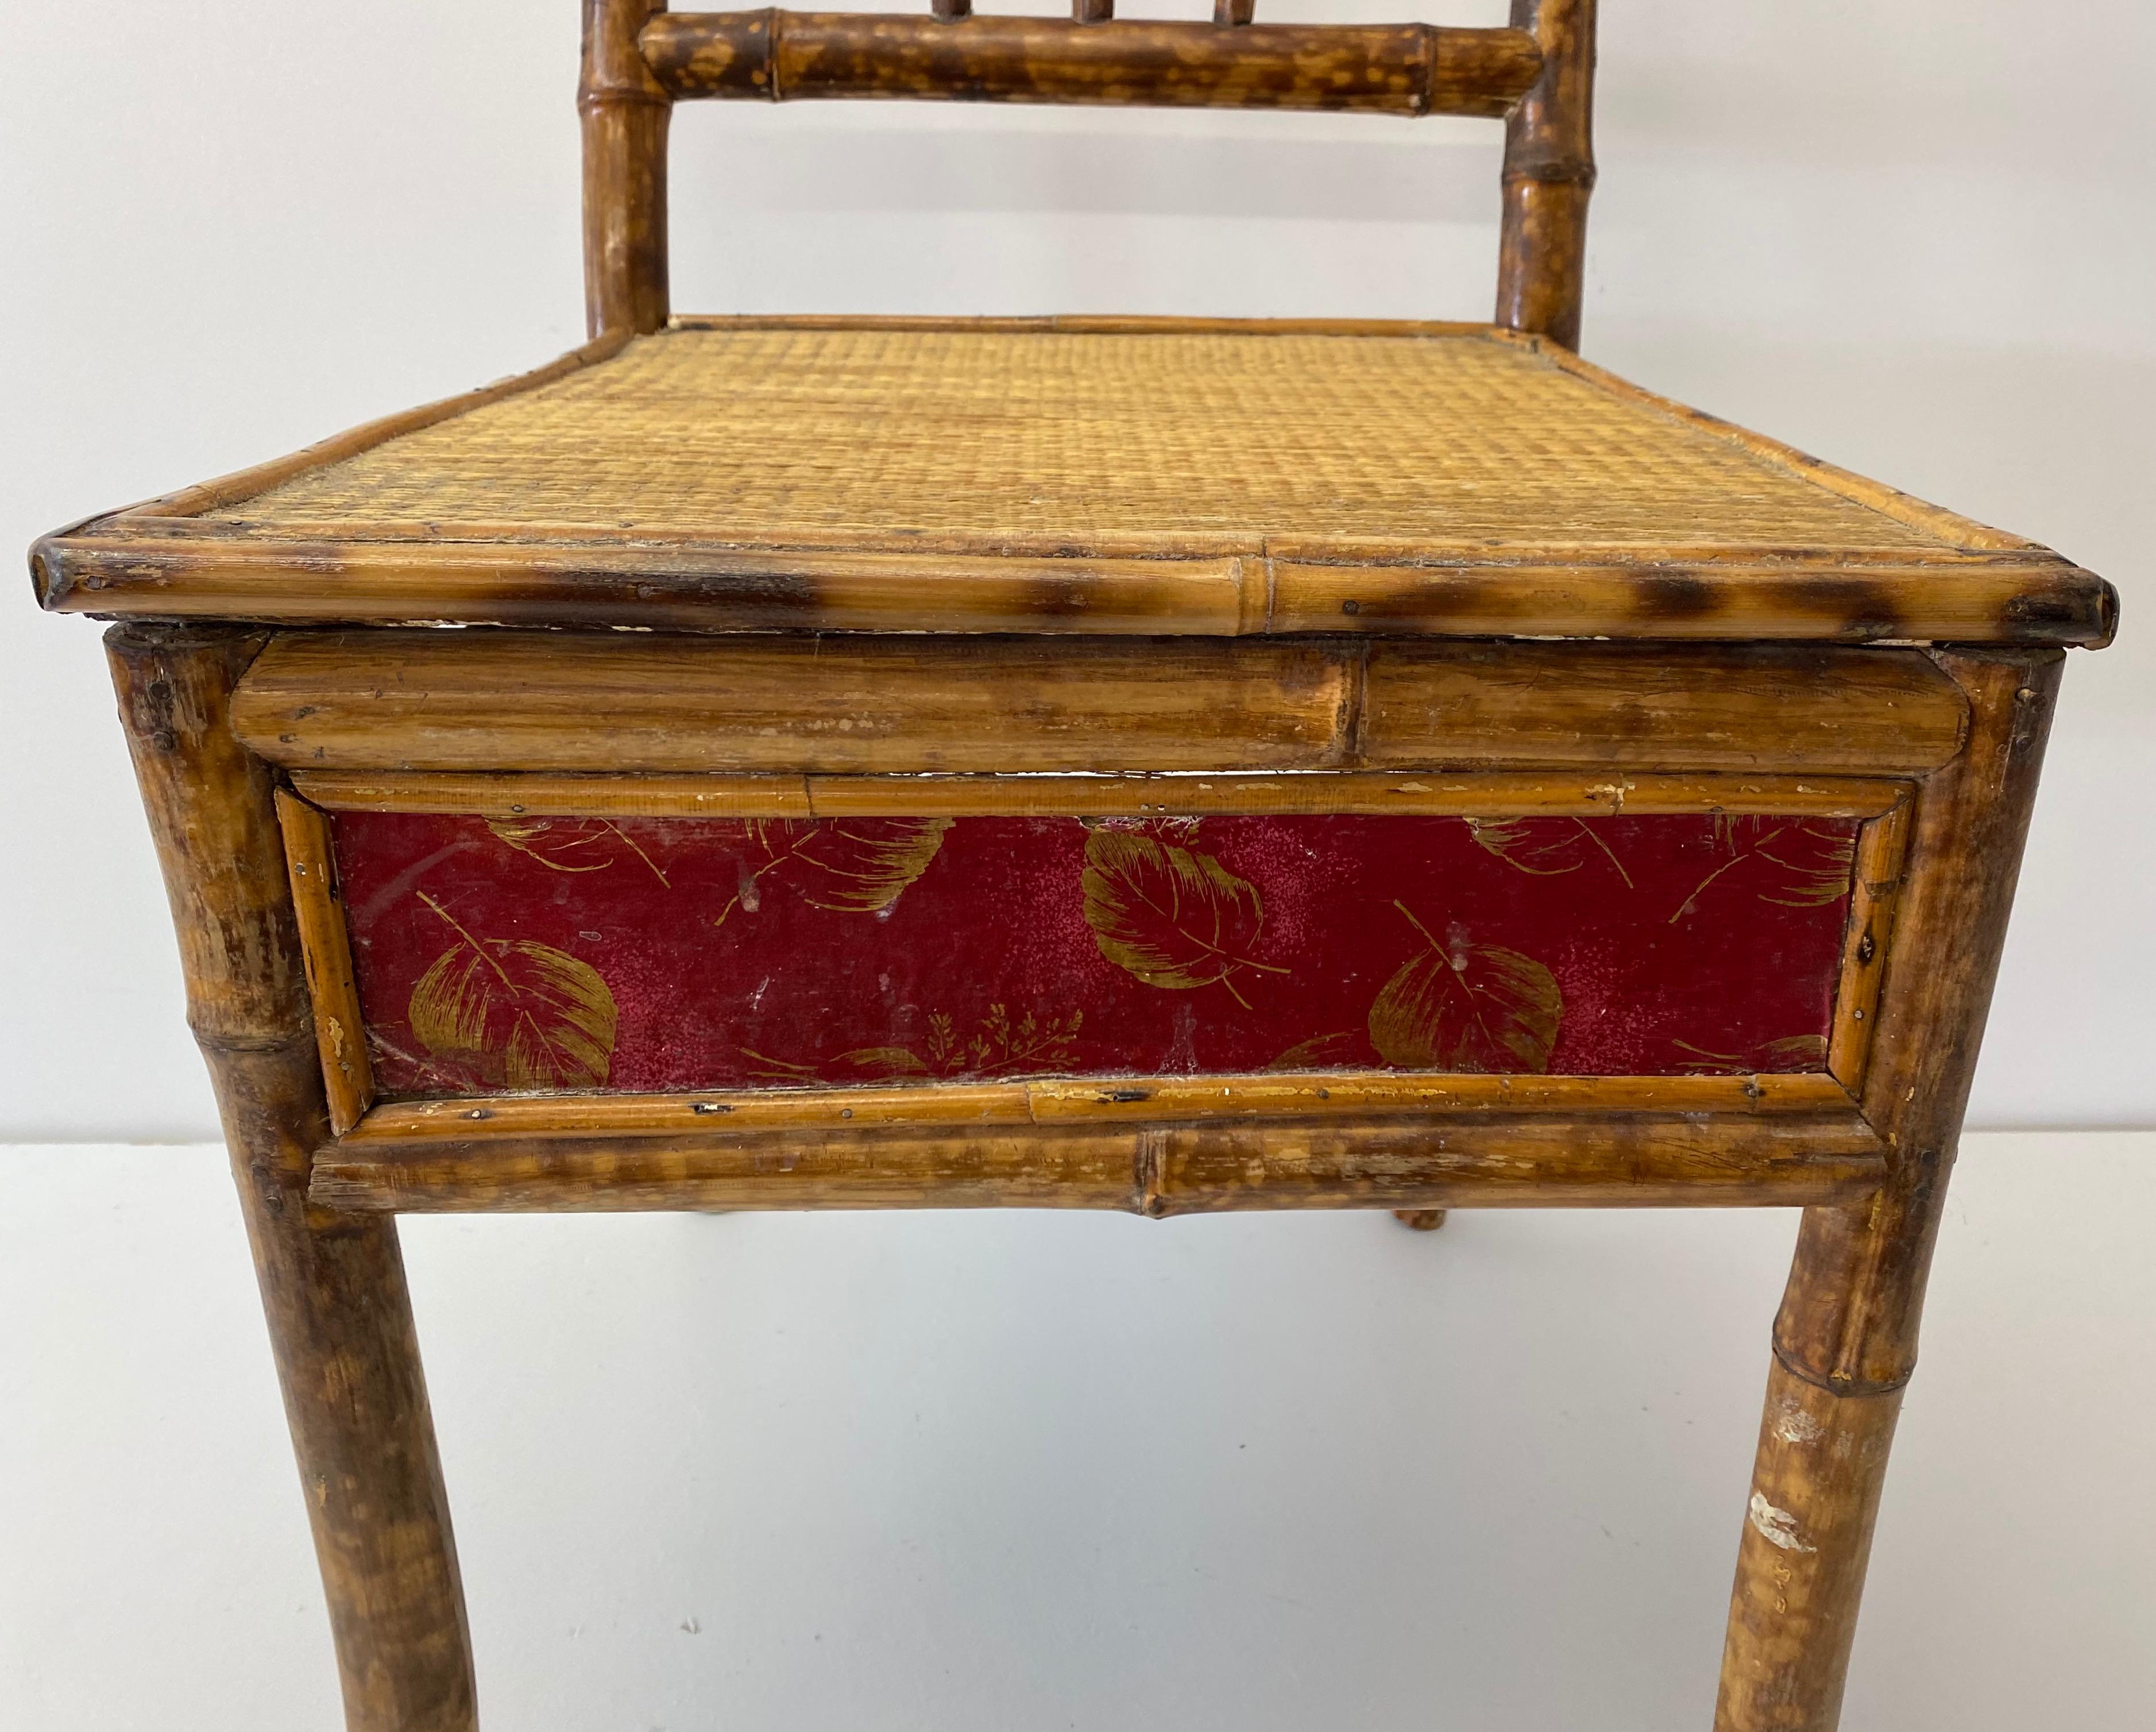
(774, 435)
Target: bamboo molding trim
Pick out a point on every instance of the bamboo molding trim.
(1530, 1160)
(777, 56)
(1882, 847)
(1094, 325)
(480, 1122)
(534, 701)
(482, 793)
(111, 567)
(326, 949)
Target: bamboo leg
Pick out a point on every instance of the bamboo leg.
(1423, 1221)
(1846, 1340)
(332, 1286)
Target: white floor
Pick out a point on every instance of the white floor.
(1019, 1472)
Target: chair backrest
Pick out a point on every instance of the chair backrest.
(1537, 75)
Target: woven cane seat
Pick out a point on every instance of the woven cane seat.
(1168, 477)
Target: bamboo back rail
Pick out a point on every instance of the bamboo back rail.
(1537, 74)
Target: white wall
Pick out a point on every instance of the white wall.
(1912, 238)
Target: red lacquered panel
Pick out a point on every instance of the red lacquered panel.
(672, 954)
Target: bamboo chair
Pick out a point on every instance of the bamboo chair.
(1147, 606)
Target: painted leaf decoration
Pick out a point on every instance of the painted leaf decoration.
(1781, 860)
(1544, 847)
(1173, 918)
(882, 1061)
(864, 1064)
(571, 845)
(1792, 1052)
(520, 1014)
(1811, 865)
(856, 865)
(1467, 1007)
(1796, 1053)
(1321, 1052)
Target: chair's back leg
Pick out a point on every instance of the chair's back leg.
(625, 114)
(332, 1286)
(1549, 176)
(1845, 1341)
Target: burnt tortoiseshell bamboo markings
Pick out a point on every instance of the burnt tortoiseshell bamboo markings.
(1499, 786)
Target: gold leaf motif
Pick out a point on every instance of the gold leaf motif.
(1543, 847)
(1173, 918)
(1768, 1055)
(516, 1015)
(1811, 1047)
(864, 1064)
(1789, 864)
(1320, 1052)
(853, 865)
(1467, 1007)
(1033, 1044)
(571, 845)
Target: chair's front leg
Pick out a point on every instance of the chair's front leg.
(1845, 1341)
(332, 1286)
(1807, 1537)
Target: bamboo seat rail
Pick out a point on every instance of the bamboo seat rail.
(1162, 765)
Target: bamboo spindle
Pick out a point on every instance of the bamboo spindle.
(624, 112)
(1549, 176)
(1846, 1340)
(332, 1286)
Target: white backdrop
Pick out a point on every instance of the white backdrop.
(1911, 238)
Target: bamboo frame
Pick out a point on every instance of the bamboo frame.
(325, 948)
(1881, 855)
(333, 1290)
(598, 794)
(470, 1131)
(1594, 1159)
(432, 702)
(624, 115)
(1939, 758)
(774, 55)
(1549, 176)
(482, 1121)
(1844, 1340)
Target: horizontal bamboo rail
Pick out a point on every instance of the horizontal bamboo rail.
(1558, 1159)
(779, 56)
(480, 1122)
(559, 701)
(1478, 795)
